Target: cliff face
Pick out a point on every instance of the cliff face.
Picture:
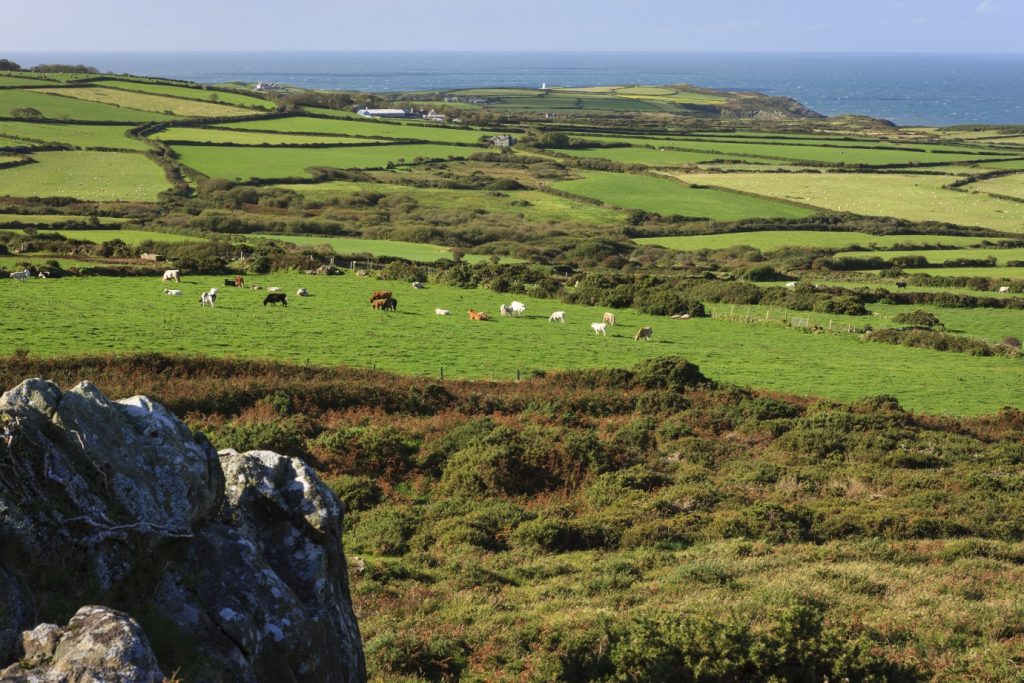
(222, 567)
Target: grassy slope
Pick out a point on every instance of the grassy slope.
(57, 107)
(364, 128)
(238, 137)
(190, 93)
(336, 325)
(127, 236)
(149, 103)
(92, 176)
(7, 218)
(110, 137)
(769, 240)
(254, 162)
(943, 255)
(648, 157)
(914, 197)
(667, 197)
(1010, 185)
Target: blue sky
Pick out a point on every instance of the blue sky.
(532, 25)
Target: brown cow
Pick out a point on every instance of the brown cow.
(387, 304)
(380, 295)
(239, 281)
(477, 315)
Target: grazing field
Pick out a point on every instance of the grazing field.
(148, 103)
(1010, 165)
(336, 326)
(1010, 273)
(62, 108)
(913, 197)
(240, 137)
(90, 176)
(6, 80)
(769, 240)
(363, 128)
(649, 157)
(668, 197)
(50, 219)
(78, 135)
(257, 162)
(939, 256)
(1009, 185)
(131, 237)
(530, 204)
(190, 93)
(413, 251)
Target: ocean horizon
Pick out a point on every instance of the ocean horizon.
(908, 89)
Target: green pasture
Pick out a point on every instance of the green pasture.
(268, 162)
(252, 138)
(40, 260)
(567, 101)
(913, 197)
(1009, 165)
(50, 219)
(216, 96)
(669, 197)
(56, 106)
(890, 285)
(79, 135)
(830, 155)
(1009, 185)
(6, 80)
(539, 206)
(939, 256)
(1009, 273)
(336, 326)
(990, 324)
(90, 176)
(362, 128)
(145, 102)
(412, 251)
(770, 240)
(333, 113)
(648, 157)
(132, 237)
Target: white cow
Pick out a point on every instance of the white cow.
(518, 308)
(1004, 290)
(417, 285)
(557, 315)
(302, 292)
(609, 319)
(791, 285)
(172, 275)
(208, 298)
(172, 292)
(643, 333)
(273, 289)
(599, 328)
(22, 275)
(441, 311)
(505, 310)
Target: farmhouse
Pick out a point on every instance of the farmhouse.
(383, 113)
(502, 141)
(434, 116)
(266, 87)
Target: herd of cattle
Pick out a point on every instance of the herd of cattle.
(384, 300)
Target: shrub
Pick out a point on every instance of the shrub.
(668, 372)
(918, 317)
(384, 530)
(357, 493)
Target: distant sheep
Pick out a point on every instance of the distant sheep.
(208, 298)
(558, 316)
(441, 311)
(1004, 290)
(302, 292)
(273, 289)
(172, 292)
(505, 310)
(22, 275)
(790, 285)
(518, 308)
(417, 285)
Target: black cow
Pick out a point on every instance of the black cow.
(229, 283)
(276, 298)
(901, 285)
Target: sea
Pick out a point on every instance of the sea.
(908, 89)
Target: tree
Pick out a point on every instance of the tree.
(26, 113)
(8, 65)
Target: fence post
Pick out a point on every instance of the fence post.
(768, 314)
(442, 372)
(517, 374)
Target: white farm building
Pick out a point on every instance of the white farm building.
(383, 113)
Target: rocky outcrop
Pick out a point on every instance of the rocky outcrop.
(232, 563)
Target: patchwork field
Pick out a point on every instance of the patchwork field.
(255, 162)
(84, 136)
(59, 107)
(336, 326)
(1010, 186)
(668, 197)
(412, 251)
(91, 176)
(361, 127)
(914, 197)
(776, 239)
(530, 204)
(8, 218)
(148, 103)
(241, 137)
(216, 96)
(131, 237)
(942, 255)
(649, 157)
